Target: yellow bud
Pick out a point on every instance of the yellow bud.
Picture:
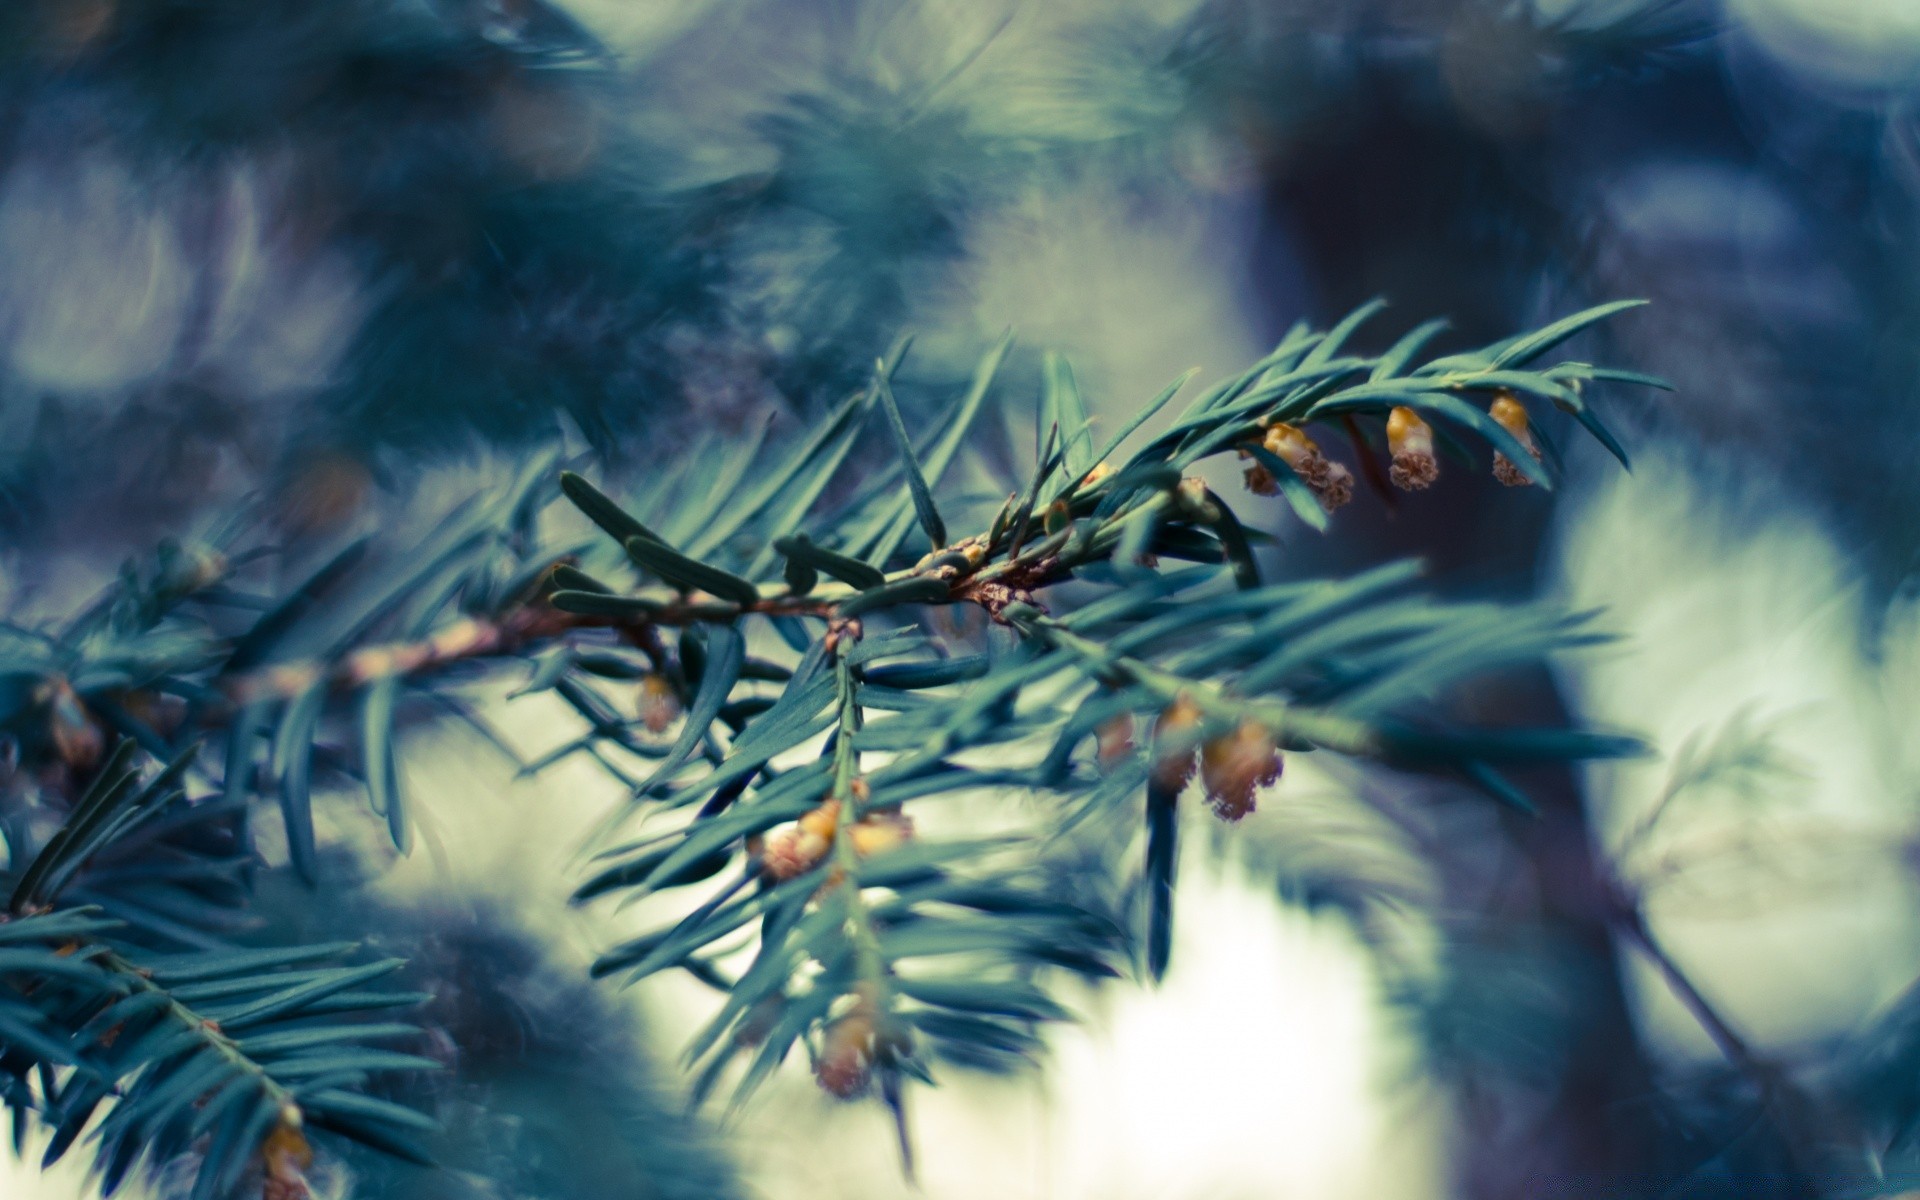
(824, 821)
(1291, 445)
(1407, 431)
(1512, 416)
(1410, 440)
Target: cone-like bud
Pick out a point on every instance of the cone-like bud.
(845, 1065)
(1173, 747)
(659, 703)
(1259, 480)
(1235, 767)
(284, 1159)
(1330, 481)
(793, 850)
(1512, 416)
(1193, 500)
(1410, 441)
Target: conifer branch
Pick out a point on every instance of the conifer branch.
(880, 951)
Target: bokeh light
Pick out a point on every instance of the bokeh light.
(1862, 43)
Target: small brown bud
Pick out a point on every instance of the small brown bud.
(1512, 416)
(1330, 481)
(1508, 474)
(659, 702)
(285, 1157)
(845, 1066)
(792, 852)
(1101, 472)
(1334, 486)
(1259, 480)
(1173, 731)
(1236, 766)
(1191, 496)
(1410, 440)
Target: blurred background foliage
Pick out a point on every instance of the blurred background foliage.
(330, 254)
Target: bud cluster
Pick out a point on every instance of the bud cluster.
(791, 851)
(1410, 442)
(1330, 481)
(1233, 767)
